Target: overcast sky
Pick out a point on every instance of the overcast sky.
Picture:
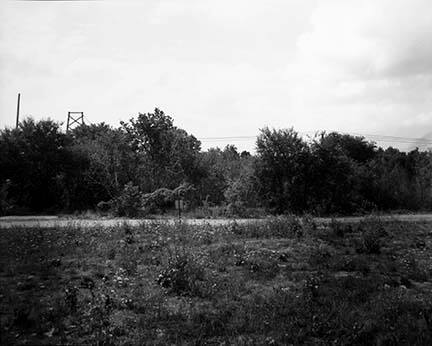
(223, 68)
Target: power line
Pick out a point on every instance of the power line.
(86, 121)
(373, 137)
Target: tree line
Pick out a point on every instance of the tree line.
(144, 164)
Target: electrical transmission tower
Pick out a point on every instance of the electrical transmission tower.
(74, 118)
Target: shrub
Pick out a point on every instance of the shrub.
(308, 225)
(104, 207)
(183, 275)
(371, 241)
(413, 270)
(5, 202)
(158, 200)
(321, 255)
(262, 262)
(207, 234)
(236, 209)
(339, 229)
(278, 227)
(71, 298)
(129, 201)
(355, 264)
(371, 231)
(163, 198)
(225, 254)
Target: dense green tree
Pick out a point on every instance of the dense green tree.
(324, 176)
(354, 147)
(111, 162)
(166, 155)
(283, 160)
(401, 180)
(242, 191)
(147, 161)
(213, 183)
(37, 161)
(221, 169)
(337, 176)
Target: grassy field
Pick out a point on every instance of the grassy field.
(283, 281)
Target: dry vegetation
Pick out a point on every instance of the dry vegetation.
(284, 281)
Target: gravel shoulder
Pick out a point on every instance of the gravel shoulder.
(62, 222)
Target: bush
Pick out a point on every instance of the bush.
(371, 242)
(262, 262)
(158, 200)
(129, 201)
(184, 274)
(339, 229)
(412, 269)
(321, 255)
(104, 207)
(355, 264)
(371, 231)
(5, 203)
(236, 209)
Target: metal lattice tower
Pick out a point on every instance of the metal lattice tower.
(74, 118)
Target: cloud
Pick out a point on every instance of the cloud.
(366, 64)
(223, 68)
(371, 39)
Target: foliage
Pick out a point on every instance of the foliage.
(371, 233)
(163, 198)
(166, 155)
(111, 164)
(242, 192)
(282, 169)
(183, 275)
(5, 203)
(43, 169)
(128, 203)
(220, 170)
(339, 174)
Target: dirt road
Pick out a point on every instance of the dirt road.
(56, 222)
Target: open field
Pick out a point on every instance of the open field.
(279, 281)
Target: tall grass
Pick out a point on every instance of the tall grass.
(281, 281)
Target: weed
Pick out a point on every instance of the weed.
(357, 263)
(276, 281)
(111, 254)
(412, 269)
(371, 242)
(184, 274)
(262, 262)
(371, 232)
(71, 298)
(321, 255)
(339, 229)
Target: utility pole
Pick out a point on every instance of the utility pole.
(74, 118)
(18, 109)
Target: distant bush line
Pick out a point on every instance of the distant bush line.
(145, 164)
